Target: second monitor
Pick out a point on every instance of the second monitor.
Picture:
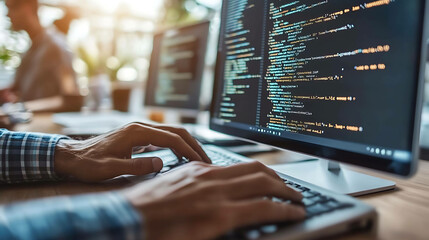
(176, 68)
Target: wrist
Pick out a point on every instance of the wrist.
(64, 159)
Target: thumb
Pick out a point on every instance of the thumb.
(116, 167)
(142, 166)
(136, 166)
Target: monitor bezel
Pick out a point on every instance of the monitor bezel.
(191, 112)
(342, 156)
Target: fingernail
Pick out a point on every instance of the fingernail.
(157, 164)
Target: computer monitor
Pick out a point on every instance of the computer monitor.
(176, 68)
(340, 80)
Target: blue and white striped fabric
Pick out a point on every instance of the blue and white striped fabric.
(29, 157)
(99, 216)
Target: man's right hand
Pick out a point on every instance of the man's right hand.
(201, 201)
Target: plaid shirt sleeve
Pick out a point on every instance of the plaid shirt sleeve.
(27, 157)
(106, 216)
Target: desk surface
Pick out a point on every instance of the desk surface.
(403, 212)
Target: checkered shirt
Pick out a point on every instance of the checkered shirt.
(27, 157)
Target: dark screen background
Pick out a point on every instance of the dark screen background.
(384, 102)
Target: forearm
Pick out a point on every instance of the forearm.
(31, 157)
(50, 104)
(101, 216)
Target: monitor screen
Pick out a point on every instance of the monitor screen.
(176, 67)
(335, 79)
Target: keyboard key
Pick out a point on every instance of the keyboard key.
(247, 233)
(253, 234)
(308, 202)
(267, 229)
(319, 198)
(333, 204)
(316, 210)
(323, 199)
(307, 194)
(274, 199)
(313, 192)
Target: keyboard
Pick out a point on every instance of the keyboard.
(315, 202)
(218, 158)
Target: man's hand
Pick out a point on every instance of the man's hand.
(199, 201)
(7, 96)
(109, 155)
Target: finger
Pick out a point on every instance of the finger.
(144, 135)
(263, 211)
(178, 156)
(190, 140)
(135, 166)
(257, 186)
(186, 137)
(240, 170)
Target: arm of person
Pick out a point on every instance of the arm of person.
(68, 99)
(55, 73)
(197, 201)
(29, 157)
(98, 216)
(51, 104)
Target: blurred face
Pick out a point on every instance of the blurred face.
(19, 14)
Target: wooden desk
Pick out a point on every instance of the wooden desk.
(403, 213)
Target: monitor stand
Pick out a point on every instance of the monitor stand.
(330, 175)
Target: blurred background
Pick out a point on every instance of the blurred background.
(112, 45)
(111, 39)
(112, 42)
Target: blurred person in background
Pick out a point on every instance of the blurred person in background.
(45, 78)
(63, 24)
